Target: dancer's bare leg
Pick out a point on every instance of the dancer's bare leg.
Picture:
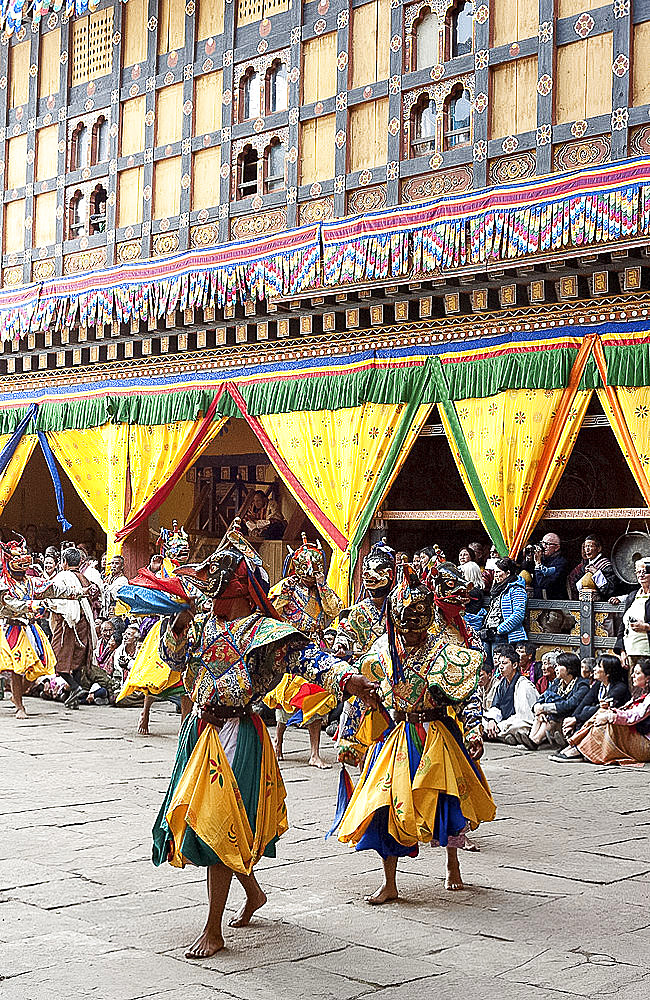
(210, 940)
(454, 880)
(280, 729)
(255, 898)
(143, 721)
(17, 686)
(388, 891)
(186, 707)
(315, 758)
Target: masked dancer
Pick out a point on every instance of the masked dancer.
(225, 806)
(421, 782)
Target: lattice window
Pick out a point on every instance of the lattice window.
(92, 47)
(249, 11)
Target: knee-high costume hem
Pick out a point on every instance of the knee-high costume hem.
(26, 650)
(149, 675)
(214, 812)
(418, 786)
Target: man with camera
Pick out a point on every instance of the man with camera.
(633, 638)
(548, 568)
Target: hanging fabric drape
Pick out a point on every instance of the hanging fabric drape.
(344, 461)
(166, 474)
(516, 453)
(157, 451)
(15, 465)
(95, 460)
(511, 449)
(628, 411)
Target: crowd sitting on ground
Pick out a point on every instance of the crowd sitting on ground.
(597, 710)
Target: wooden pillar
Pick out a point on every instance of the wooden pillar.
(135, 550)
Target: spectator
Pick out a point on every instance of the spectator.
(106, 646)
(555, 706)
(633, 638)
(474, 613)
(528, 665)
(610, 689)
(488, 682)
(598, 566)
(587, 668)
(549, 679)
(504, 622)
(125, 654)
(264, 517)
(50, 566)
(617, 735)
(511, 712)
(470, 569)
(549, 569)
(491, 561)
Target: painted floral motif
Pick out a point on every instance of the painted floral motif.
(620, 65)
(544, 85)
(584, 25)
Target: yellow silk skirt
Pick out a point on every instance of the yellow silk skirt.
(149, 675)
(23, 658)
(412, 803)
(208, 801)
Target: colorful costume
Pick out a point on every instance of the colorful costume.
(419, 782)
(152, 593)
(24, 647)
(310, 608)
(225, 801)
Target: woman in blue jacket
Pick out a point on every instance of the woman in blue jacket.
(504, 622)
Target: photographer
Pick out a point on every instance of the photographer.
(633, 638)
(548, 568)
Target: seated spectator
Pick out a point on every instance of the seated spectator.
(125, 654)
(610, 688)
(554, 706)
(549, 678)
(470, 570)
(511, 712)
(264, 517)
(504, 622)
(488, 682)
(587, 668)
(633, 637)
(528, 665)
(602, 576)
(616, 735)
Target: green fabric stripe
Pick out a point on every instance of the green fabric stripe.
(538, 369)
(329, 392)
(418, 393)
(628, 365)
(166, 408)
(591, 376)
(487, 515)
(187, 738)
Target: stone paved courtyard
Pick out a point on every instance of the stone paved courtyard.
(556, 905)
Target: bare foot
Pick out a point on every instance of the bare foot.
(21, 713)
(206, 944)
(253, 903)
(383, 895)
(278, 752)
(317, 761)
(143, 724)
(454, 880)
(469, 846)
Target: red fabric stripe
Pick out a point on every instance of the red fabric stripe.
(309, 503)
(161, 494)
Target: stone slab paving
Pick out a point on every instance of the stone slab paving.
(556, 905)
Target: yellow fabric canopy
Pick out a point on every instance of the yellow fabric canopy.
(337, 457)
(95, 459)
(519, 441)
(155, 451)
(13, 472)
(628, 411)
